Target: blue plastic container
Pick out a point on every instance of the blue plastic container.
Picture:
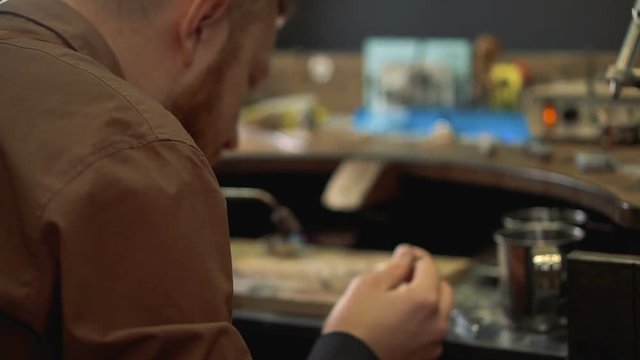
(506, 127)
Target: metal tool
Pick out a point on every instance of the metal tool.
(290, 239)
(595, 162)
(622, 74)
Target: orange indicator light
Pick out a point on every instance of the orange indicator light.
(550, 116)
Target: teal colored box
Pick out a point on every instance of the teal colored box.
(446, 62)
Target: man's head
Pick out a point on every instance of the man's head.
(199, 58)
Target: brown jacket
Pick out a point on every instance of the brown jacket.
(113, 234)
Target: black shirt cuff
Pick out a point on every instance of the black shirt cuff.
(338, 346)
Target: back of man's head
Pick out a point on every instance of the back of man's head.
(135, 8)
(198, 58)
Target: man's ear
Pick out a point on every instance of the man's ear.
(202, 16)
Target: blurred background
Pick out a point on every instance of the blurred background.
(343, 25)
(427, 121)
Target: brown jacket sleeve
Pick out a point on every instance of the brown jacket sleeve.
(144, 258)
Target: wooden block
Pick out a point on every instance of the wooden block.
(357, 183)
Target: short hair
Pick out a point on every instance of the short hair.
(148, 8)
(132, 7)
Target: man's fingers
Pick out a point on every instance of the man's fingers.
(426, 277)
(403, 250)
(419, 252)
(395, 271)
(446, 299)
(445, 306)
(440, 326)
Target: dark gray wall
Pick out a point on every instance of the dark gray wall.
(521, 24)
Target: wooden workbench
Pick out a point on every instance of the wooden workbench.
(613, 194)
(311, 283)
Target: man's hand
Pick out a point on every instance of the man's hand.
(400, 310)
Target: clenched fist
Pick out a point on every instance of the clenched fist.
(400, 310)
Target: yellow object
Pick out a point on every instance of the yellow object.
(285, 113)
(320, 115)
(507, 81)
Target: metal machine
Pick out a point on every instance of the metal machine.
(622, 74)
(590, 110)
(582, 110)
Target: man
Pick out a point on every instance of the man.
(113, 231)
